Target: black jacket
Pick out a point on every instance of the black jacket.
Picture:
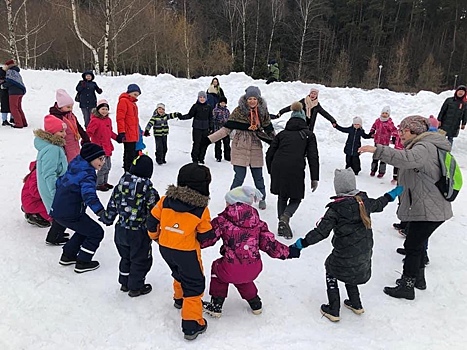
(350, 259)
(314, 113)
(87, 91)
(353, 142)
(285, 159)
(202, 116)
(453, 113)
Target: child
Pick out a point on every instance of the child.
(350, 260)
(285, 161)
(63, 109)
(180, 221)
(160, 126)
(31, 201)
(353, 143)
(101, 133)
(220, 116)
(128, 123)
(86, 95)
(201, 113)
(132, 200)
(243, 235)
(382, 131)
(76, 190)
(51, 163)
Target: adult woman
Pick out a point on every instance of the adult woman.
(453, 114)
(16, 90)
(214, 93)
(311, 107)
(421, 204)
(87, 89)
(246, 120)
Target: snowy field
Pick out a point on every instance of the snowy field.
(47, 306)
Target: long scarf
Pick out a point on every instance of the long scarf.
(254, 119)
(70, 121)
(213, 89)
(309, 105)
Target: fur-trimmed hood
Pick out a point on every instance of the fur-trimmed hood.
(95, 112)
(187, 195)
(50, 138)
(244, 109)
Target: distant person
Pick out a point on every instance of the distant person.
(16, 91)
(220, 116)
(273, 71)
(214, 93)
(312, 107)
(4, 103)
(87, 89)
(453, 114)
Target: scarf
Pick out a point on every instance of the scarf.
(254, 119)
(15, 78)
(309, 105)
(70, 121)
(384, 119)
(213, 89)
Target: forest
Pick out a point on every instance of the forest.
(402, 45)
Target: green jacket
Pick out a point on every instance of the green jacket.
(274, 71)
(159, 123)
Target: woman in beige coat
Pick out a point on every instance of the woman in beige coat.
(250, 117)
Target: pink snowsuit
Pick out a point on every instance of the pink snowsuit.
(31, 201)
(383, 131)
(243, 235)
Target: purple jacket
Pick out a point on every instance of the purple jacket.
(220, 117)
(243, 235)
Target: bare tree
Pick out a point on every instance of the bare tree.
(430, 75)
(399, 67)
(277, 8)
(256, 38)
(242, 7)
(370, 77)
(341, 70)
(230, 12)
(11, 32)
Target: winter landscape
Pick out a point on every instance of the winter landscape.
(47, 306)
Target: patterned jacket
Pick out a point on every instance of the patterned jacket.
(383, 131)
(220, 117)
(132, 200)
(159, 123)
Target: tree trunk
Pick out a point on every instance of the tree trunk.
(187, 46)
(11, 32)
(106, 37)
(256, 38)
(26, 36)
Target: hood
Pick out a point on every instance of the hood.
(32, 165)
(86, 73)
(460, 87)
(436, 138)
(241, 215)
(191, 198)
(44, 138)
(96, 114)
(296, 124)
(15, 68)
(125, 96)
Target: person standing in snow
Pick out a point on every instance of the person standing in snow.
(214, 93)
(453, 114)
(273, 68)
(285, 161)
(87, 89)
(348, 215)
(16, 90)
(4, 99)
(312, 107)
(220, 116)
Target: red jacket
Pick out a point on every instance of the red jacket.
(31, 201)
(127, 117)
(100, 132)
(383, 131)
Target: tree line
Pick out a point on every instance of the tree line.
(403, 45)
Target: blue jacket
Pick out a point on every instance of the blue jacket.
(353, 142)
(76, 190)
(87, 91)
(14, 81)
(51, 164)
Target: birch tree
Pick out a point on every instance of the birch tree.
(256, 38)
(230, 12)
(241, 8)
(277, 8)
(13, 48)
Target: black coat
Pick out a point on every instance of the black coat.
(202, 116)
(353, 142)
(87, 91)
(350, 259)
(314, 113)
(285, 159)
(453, 113)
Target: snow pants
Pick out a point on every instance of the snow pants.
(17, 111)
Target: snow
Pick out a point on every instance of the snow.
(47, 306)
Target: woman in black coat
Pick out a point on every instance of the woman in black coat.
(4, 103)
(87, 89)
(453, 114)
(285, 160)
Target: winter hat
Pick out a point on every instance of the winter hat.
(252, 91)
(102, 103)
(10, 63)
(202, 94)
(272, 61)
(243, 194)
(132, 88)
(195, 176)
(357, 120)
(416, 124)
(315, 90)
(345, 183)
(161, 105)
(433, 123)
(91, 151)
(386, 109)
(460, 87)
(63, 99)
(52, 124)
(142, 166)
(223, 99)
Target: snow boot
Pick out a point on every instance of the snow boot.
(214, 308)
(331, 310)
(353, 303)
(192, 334)
(420, 282)
(37, 220)
(284, 229)
(401, 251)
(404, 289)
(256, 305)
(65, 260)
(373, 173)
(380, 175)
(178, 303)
(124, 289)
(146, 289)
(85, 266)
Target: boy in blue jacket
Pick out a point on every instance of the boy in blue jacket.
(76, 190)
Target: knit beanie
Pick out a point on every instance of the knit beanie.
(52, 124)
(132, 88)
(91, 151)
(357, 120)
(252, 91)
(243, 194)
(416, 124)
(386, 109)
(315, 90)
(223, 99)
(142, 166)
(160, 105)
(63, 99)
(345, 183)
(202, 94)
(195, 176)
(10, 63)
(102, 103)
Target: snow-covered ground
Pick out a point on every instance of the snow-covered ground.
(47, 306)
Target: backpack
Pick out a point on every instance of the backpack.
(450, 182)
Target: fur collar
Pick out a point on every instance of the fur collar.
(245, 110)
(97, 114)
(187, 195)
(51, 138)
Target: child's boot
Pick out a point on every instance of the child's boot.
(404, 288)
(85, 266)
(178, 303)
(192, 334)
(214, 308)
(284, 229)
(353, 303)
(256, 305)
(331, 310)
(146, 289)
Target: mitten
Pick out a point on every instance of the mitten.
(147, 133)
(393, 140)
(121, 137)
(178, 115)
(294, 252)
(83, 141)
(205, 141)
(314, 185)
(298, 244)
(395, 192)
(104, 219)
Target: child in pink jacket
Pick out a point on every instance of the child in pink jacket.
(243, 234)
(382, 131)
(101, 133)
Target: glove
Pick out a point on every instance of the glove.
(298, 244)
(178, 115)
(395, 192)
(205, 141)
(314, 185)
(121, 137)
(104, 219)
(278, 115)
(147, 133)
(294, 252)
(84, 142)
(393, 140)
(334, 125)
